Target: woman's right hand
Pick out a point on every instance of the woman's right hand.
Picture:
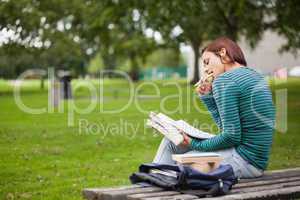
(203, 88)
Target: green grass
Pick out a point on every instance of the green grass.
(41, 157)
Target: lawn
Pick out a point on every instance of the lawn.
(54, 155)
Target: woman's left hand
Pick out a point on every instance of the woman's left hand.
(186, 139)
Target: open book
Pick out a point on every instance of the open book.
(172, 128)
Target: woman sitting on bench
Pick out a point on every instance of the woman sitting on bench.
(240, 102)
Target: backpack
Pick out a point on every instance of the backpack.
(186, 179)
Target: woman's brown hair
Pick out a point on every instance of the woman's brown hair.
(233, 51)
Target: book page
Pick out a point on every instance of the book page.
(185, 127)
(170, 132)
(171, 128)
(192, 131)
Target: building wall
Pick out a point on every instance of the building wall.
(266, 58)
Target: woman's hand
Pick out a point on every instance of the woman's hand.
(203, 87)
(186, 139)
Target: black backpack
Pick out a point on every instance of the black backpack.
(186, 179)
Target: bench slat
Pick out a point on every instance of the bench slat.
(289, 170)
(175, 197)
(266, 187)
(94, 193)
(265, 182)
(274, 175)
(122, 194)
(152, 194)
(284, 193)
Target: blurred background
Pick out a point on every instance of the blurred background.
(47, 155)
(161, 38)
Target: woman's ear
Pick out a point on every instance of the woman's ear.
(223, 56)
(222, 52)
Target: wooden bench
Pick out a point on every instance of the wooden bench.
(279, 184)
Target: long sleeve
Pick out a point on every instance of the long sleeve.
(211, 105)
(226, 94)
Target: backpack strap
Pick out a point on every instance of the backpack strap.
(182, 183)
(216, 190)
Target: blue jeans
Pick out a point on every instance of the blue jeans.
(241, 167)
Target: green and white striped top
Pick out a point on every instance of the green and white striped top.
(241, 105)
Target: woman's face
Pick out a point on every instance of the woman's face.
(212, 62)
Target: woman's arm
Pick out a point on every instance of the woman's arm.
(211, 105)
(226, 95)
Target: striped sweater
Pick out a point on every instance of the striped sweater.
(241, 105)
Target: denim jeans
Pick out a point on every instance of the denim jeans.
(241, 167)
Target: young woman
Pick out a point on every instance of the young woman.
(240, 102)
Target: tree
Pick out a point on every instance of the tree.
(168, 57)
(284, 19)
(118, 34)
(43, 28)
(69, 33)
(201, 21)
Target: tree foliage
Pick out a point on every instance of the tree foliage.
(67, 34)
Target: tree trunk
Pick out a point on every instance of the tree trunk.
(196, 76)
(42, 83)
(233, 26)
(134, 69)
(109, 61)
